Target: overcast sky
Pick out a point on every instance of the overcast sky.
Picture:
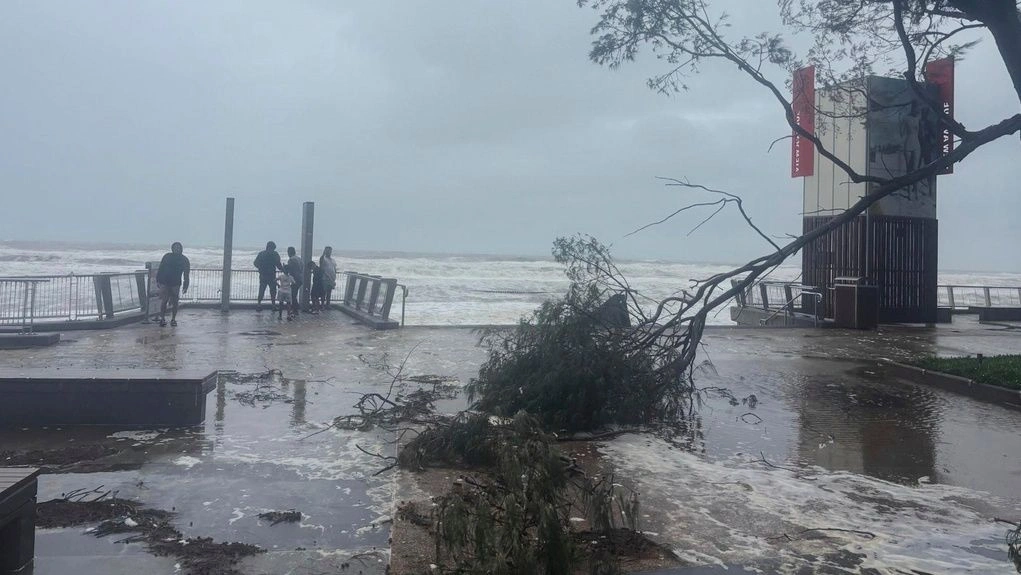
(474, 126)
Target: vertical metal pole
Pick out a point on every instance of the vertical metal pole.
(24, 308)
(308, 210)
(228, 251)
(31, 309)
(985, 293)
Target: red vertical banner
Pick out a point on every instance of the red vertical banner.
(803, 104)
(940, 73)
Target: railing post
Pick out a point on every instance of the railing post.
(741, 299)
(373, 295)
(950, 296)
(72, 306)
(143, 295)
(985, 292)
(349, 287)
(404, 299)
(388, 297)
(24, 308)
(363, 283)
(31, 307)
(765, 297)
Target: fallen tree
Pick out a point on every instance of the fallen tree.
(850, 40)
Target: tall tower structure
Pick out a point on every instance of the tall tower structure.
(879, 127)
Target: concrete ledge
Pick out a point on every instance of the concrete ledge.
(122, 397)
(999, 313)
(955, 383)
(82, 324)
(375, 322)
(944, 315)
(25, 340)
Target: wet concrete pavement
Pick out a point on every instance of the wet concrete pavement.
(254, 453)
(814, 460)
(845, 445)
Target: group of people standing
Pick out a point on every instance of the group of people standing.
(174, 275)
(285, 280)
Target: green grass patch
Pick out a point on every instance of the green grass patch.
(999, 370)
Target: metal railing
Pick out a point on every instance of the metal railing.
(97, 296)
(206, 284)
(371, 295)
(68, 298)
(788, 309)
(963, 297)
(774, 295)
(17, 301)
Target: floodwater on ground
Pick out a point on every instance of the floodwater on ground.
(826, 464)
(833, 466)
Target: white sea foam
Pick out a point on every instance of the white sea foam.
(141, 436)
(187, 461)
(738, 511)
(444, 289)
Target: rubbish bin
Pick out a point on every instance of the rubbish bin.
(855, 303)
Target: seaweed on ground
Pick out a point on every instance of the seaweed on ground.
(275, 517)
(56, 457)
(151, 527)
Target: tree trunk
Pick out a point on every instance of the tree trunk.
(1004, 23)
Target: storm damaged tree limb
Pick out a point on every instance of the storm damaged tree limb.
(683, 32)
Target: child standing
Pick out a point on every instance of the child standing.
(284, 282)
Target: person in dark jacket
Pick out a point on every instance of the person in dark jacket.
(296, 270)
(268, 262)
(317, 295)
(174, 270)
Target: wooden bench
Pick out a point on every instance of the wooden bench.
(17, 518)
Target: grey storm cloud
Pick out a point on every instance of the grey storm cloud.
(449, 126)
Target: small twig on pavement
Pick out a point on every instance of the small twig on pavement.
(867, 534)
(744, 415)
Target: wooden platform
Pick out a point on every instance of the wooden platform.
(18, 488)
(128, 397)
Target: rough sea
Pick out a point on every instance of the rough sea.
(442, 289)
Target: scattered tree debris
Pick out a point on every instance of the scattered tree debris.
(266, 391)
(1014, 545)
(56, 457)
(275, 517)
(152, 527)
(575, 366)
(748, 418)
(512, 512)
(410, 511)
(820, 532)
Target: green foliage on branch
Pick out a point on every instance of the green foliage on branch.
(516, 516)
(577, 364)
